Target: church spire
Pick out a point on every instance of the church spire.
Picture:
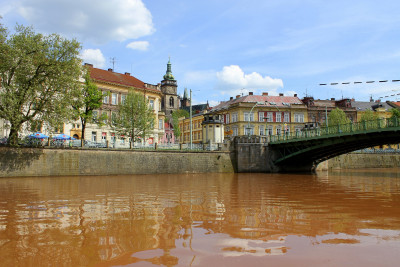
(168, 75)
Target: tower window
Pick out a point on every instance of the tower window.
(171, 102)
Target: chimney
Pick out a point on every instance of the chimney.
(110, 69)
(280, 94)
(237, 96)
(265, 94)
(231, 98)
(250, 93)
(295, 95)
(88, 64)
(127, 73)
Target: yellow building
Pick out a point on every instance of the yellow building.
(184, 126)
(118, 85)
(381, 109)
(262, 114)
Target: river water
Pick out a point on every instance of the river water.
(344, 218)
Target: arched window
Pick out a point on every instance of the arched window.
(171, 102)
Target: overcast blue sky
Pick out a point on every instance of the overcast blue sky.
(222, 48)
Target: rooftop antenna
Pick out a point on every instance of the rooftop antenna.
(113, 60)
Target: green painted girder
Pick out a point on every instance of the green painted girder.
(319, 148)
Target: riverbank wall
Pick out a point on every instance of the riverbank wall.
(16, 162)
(361, 160)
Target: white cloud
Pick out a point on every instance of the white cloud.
(93, 56)
(232, 78)
(92, 20)
(138, 45)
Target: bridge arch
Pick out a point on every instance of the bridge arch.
(306, 154)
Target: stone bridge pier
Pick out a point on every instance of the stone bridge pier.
(254, 155)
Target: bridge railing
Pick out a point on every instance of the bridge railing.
(340, 129)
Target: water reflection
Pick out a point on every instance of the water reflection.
(200, 219)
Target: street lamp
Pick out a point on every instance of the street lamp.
(251, 111)
(274, 105)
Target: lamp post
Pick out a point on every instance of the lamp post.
(191, 129)
(251, 111)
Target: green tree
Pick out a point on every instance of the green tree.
(90, 98)
(369, 115)
(39, 75)
(175, 120)
(135, 117)
(395, 113)
(336, 117)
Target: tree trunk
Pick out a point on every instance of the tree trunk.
(83, 130)
(13, 137)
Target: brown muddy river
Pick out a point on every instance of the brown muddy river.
(347, 218)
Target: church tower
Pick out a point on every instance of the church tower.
(185, 101)
(169, 88)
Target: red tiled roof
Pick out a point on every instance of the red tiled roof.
(396, 103)
(117, 78)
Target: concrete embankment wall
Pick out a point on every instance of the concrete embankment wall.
(65, 162)
(360, 160)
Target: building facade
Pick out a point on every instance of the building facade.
(117, 86)
(318, 110)
(261, 115)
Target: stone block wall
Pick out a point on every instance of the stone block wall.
(65, 162)
(361, 160)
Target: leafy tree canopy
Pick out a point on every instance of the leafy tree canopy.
(336, 117)
(369, 115)
(135, 117)
(395, 113)
(89, 99)
(39, 75)
(175, 120)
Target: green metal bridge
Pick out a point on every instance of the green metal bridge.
(305, 149)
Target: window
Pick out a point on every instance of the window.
(248, 116)
(235, 131)
(104, 116)
(278, 130)
(286, 117)
(113, 118)
(123, 98)
(261, 116)
(105, 99)
(234, 117)
(95, 116)
(248, 131)
(171, 102)
(270, 116)
(298, 117)
(278, 117)
(151, 103)
(227, 118)
(114, 99)
(262, 130)
(270, 130)
(103, 137)
(94, 136)
(160, 124)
